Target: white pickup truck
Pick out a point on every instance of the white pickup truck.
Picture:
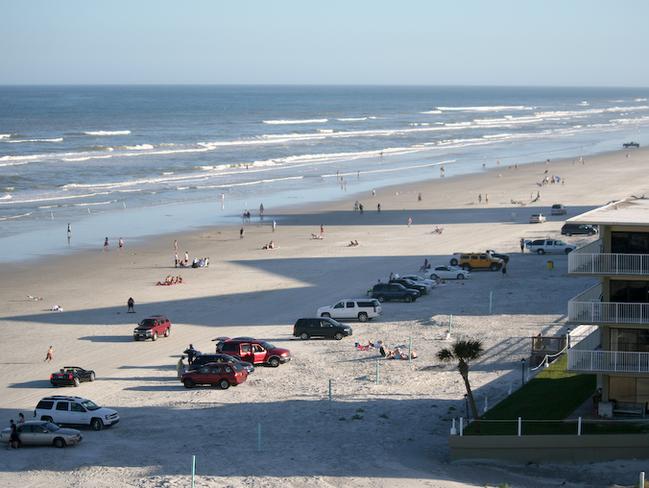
(549, 246)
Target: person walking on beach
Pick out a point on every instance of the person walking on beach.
(120, 243)
(409, 221)
(479, 197)
(106, 244)
(14, 438)
(321, 230)
(522, 243)
(180, 367)
(274, 225)
(241, 233)
(486, 198)
(360, 208)
(186, 258)
(261, 211)
(49, 355)
(176, 261)
(130, 304)
(191, 354)
(378, 207)
(503, 270)
(419, 197)
(69, 231)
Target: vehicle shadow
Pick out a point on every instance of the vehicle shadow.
(108, 338)
(33, 384)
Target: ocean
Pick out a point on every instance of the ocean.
(132, 161)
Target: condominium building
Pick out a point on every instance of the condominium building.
(618, 351)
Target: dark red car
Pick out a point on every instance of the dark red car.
(254, 351)
(222, 375)
(151, 328)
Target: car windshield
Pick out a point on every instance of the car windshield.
(51, 427)
(267, 345)
(146, 323)
(90, 405)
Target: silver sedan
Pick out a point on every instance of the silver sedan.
(40, 433)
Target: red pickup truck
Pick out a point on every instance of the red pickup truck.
(254, 351)
(152, 327)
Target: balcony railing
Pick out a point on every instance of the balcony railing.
(590, 260)
(608, 361)
(587, 308)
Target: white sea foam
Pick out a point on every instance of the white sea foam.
(6, 197)
(431, 112)
(5, 136)
(351, 119)
(12, 217)
(584, 103)
(486, 108)
(53, 198)
(107, 132)
(138, 147)
(326, 131)
(295, 121)
(639, 99)
(93, 204)
(18, 141)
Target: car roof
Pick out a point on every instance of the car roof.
(63, 397)
(72, 367)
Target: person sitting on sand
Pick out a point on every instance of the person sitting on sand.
(270, 245)
(56, 308)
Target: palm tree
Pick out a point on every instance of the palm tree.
(464, 351)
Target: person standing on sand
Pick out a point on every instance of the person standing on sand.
(130, 303)
(409, 221)
(504, 269)
(175, 246)
(321, 230)
(69, 231)
(186, 258)
(176, 261)
(378, 207)
(180, 367)
(419, 197)
(121, 243)
(106, 244)
(274, 225)
(49, 355)
(522, 243)
(486, 198)
(261, 211)
(479, 197)
(241, 233)
(360, 208)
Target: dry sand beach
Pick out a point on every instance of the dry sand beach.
(370, 435)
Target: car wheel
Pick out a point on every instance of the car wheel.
(434, 277)
(76, 382)
(408, 299)
(59, 442)
(568, 234)
(154, 337)
(135, 338)
(188, 383)
(224, 384)
(380, 298)
(273, 362)
(362, 317)
(304, 336)
(338, 336)
(540, 251)
(167, 332)
(494, 267)
(92, 376)
(327, 315)
(454, 262)
(460, 276)
(46, 419)
(96, 424)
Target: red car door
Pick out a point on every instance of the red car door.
(245, 352)
(259, 354)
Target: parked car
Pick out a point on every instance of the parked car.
(537, 218)
(152, 327)
(449, 273)
(41, 433)
(549, 246)
(320, 327)
(202, 359)
(476, 261)
(578, 229)
(71, 375)
(627, 145)
(254, 351)
(393, 291)
(74, 410)
(558, 209)
(222, 375)
(422, 289)
(362, 309)
(499, 255)
(421, 281)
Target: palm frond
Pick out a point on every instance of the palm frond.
(445, 355)
(468, 350)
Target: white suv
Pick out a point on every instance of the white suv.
(362, 309)
(549, 246)
(74, 410)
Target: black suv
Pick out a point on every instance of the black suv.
(411, 285)
(393, 291)
(321, 327)
(578, 229)
(202, 359)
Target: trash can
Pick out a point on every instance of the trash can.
(550, 264)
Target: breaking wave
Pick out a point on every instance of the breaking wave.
(295, 121)
(107, 132)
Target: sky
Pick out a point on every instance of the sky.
(399, 42)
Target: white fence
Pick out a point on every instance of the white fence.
(608, 361)
(590, 260)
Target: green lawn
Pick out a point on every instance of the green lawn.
(552, 395)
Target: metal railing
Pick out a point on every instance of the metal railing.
(587, 308)
(608, 361)
(591, 260)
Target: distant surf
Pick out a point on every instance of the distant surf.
(295, 121)
(107, 132)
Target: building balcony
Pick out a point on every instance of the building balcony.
(587, 308)
(589, 260)
(586, 361)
